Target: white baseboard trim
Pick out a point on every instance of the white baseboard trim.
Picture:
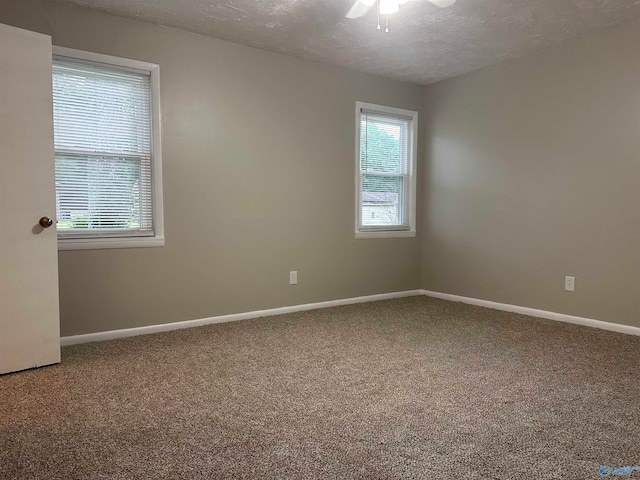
(560, 317)
(165, 327)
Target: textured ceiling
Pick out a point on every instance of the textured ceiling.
(425, 43)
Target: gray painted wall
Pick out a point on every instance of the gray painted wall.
(258, 153)
(532, 172)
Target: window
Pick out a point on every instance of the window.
(107, 151)
(386, 150)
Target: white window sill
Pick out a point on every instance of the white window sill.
(386, 234)
(105, 243)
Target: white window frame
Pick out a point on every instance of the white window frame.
(157, 240)
(413, 149)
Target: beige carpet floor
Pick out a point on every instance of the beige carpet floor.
(406, 388)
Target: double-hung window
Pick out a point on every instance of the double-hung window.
(386, 149)
(107, 151)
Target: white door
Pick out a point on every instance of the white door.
(29, 315)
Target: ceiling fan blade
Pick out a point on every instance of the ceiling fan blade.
(359, 9)
(442, 3)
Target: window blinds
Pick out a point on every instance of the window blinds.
(385, 171)
(102, 138)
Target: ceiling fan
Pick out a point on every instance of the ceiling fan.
(386, 7)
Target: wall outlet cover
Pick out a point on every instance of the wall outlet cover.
(570, 284)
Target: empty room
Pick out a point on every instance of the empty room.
(300, 239)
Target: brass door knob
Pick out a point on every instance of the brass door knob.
(45, 222)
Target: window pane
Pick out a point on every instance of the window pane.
(382, 200)
(95, 193)
(101, 110)
(380, 146)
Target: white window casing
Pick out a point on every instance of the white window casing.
(107, 151)
(386, 154)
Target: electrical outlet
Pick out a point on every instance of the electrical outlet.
(293, 277)
(570, 284)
